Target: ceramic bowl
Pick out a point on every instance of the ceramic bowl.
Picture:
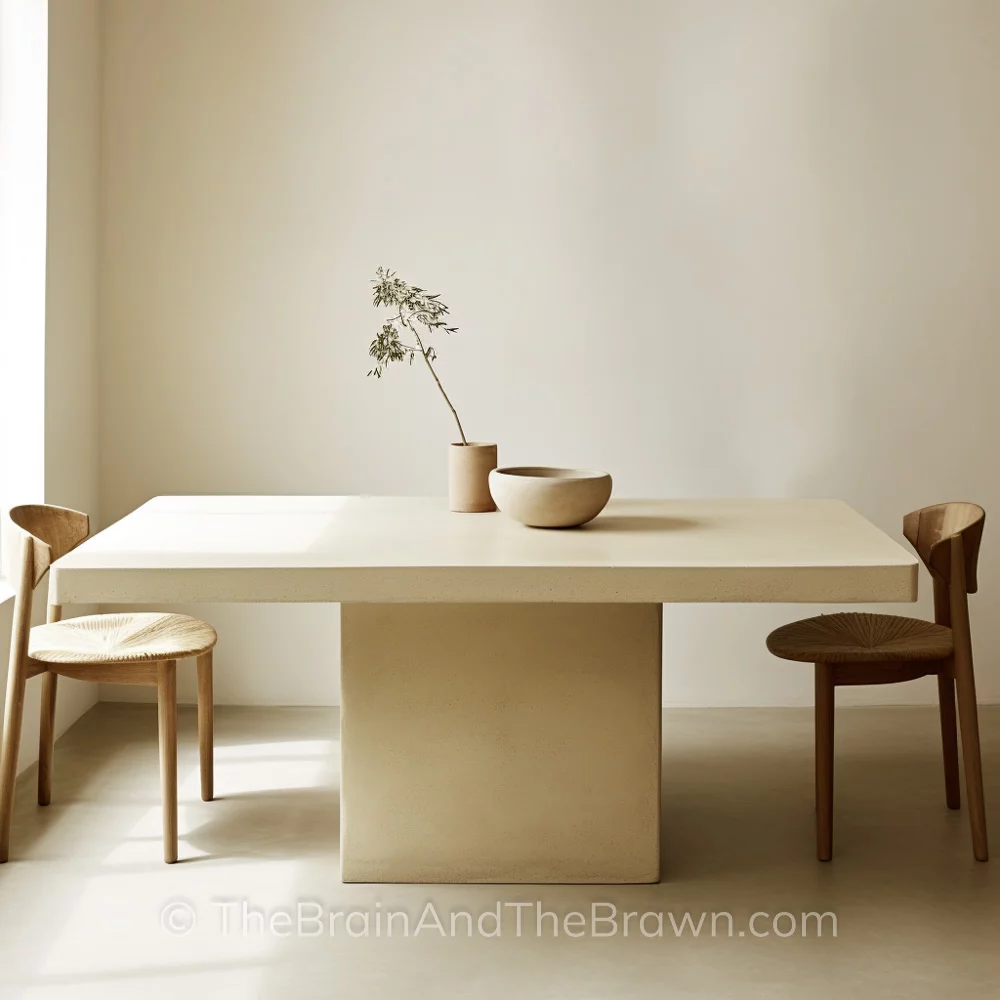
(542, 497)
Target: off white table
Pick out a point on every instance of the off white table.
(500, 690)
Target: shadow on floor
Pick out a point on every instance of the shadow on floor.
(81, 901)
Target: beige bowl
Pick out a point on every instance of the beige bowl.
(550, 498)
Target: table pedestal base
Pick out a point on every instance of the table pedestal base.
(500, 743)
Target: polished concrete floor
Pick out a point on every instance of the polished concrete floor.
(87, 909)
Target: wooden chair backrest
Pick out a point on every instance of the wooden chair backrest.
(46, 533)
(935, 531)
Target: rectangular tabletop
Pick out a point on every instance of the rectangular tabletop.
(413, 549)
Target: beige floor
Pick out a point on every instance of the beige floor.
(81, 903)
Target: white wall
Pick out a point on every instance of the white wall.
(56, 380)
(23, 145)
(71, 284)
(718, 247)
(71, 401)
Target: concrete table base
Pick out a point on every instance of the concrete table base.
(500, 743)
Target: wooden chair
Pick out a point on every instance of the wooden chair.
(885, 649)
(140, 648)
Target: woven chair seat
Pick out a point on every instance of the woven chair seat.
(858, 637)
(121, 638)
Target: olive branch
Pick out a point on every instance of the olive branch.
(414, 308)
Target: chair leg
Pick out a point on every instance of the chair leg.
(166, 701)
(968, 714)
(949, 739)
(13, 712)
(47, 737)
(824, 761)
(206, 726)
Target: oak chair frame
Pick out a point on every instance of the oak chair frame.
(46, 534)
(947, 539)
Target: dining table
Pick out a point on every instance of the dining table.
(501, 697)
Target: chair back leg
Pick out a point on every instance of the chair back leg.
(47, 736)
(13, 712)
(968, 714)
(47, 723)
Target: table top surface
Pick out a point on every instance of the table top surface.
(295, 548)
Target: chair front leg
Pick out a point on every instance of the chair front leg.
(206, 726)
(949, 737)
(47, 737)
(824, 761)
(166, 702)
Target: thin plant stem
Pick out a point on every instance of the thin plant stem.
(413, 307)
(430, 368)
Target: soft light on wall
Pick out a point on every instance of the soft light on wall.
(731, 247)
